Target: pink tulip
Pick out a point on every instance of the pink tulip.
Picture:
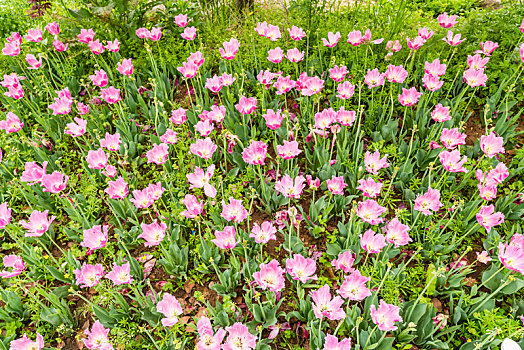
(55, 182)
(200, 179)
(355, 38)
(126, 67)
(261, 28)
(325, 306)
(158, 154)
(425, 33)
(409, 97)
(95, 237)
(89, 275)
(272, 32)
(374, 163)
(385, 316)
(99, 78)
(477, 62)
(120, 274)
(208, 340)
(446, 21)
(53, 28)
(372, 242)
(239, 334)
(288, 150)
(355, 287)
(345, 118)
(178, 116)
(336, 185)
(397, 233)
(197, 59)
(97, 338)
(83, 109)
(38, 223)
(369, 187)
(33, 62)
(332, 39)
(332, 343)
(155, 191)
(370, 211)
(393, 46)
(227, 80)
(33, 173)
(435, 68)
(11, 49)
(324, 119)
(301, 269)
(170, 307)
(452, 162)
(16, 264)
(344, 261)
(11, 123)
(96, 159)
(214, 84)
(76, 129)
(86, 35)
(142, 198)
(117, 189)
(189, 33)
(246, 105)
(155, 34)
(110, 171)
(338, 73)
(110, 94)
(25, 343)
(416, 43)
(440, 113)
(153, 233)
(289, 188)
(475, 78)
(181, 20)
(266, 78)
(275, 55)
(203, 148)
(312, 86)
(230, 49)
(345, 90)
(5, 215)
(60, 46)
(487, 217)
(374, 78)
(296, 33)
(270, 276)
(263, 233)
(492, 145)
(255, 153)
(451, 138)
(226, 239)
(188, 70)
(193, 207)
(111, 142)
(273, 119)
(396, 74)
(113, 46)
(428, 202)
(512, 257)
(453, 40)
(432, 83)
(96, 47)
(483, 257)
(234, 211)
(295, 55)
